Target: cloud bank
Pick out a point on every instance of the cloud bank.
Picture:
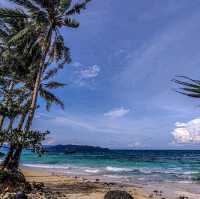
(186, 133)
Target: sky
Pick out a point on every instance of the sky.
(119, 92)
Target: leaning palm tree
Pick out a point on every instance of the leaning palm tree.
(46, 18)
(189, 87)
(41, 40)
(21, 108)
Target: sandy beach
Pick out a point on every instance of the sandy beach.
(60, 186)
(57, 185)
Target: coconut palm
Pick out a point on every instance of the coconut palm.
(46, 18)
(37, 44)
(21, 108)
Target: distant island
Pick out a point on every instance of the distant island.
(70, 149)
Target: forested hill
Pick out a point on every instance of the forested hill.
(74, 149)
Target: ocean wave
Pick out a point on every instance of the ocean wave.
(118, 169)
(92, 170)
(47, 166)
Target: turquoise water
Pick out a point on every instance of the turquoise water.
(181, 166)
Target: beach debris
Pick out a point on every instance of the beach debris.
(97, 180)
(183, 197)
(118, 195)
(21, 195)
(12, 181)
(157, 193)
(38, 185)
(8, 196)
(151, 196)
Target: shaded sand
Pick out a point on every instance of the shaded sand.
(62, 187)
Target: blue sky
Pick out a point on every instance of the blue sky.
(119, 92)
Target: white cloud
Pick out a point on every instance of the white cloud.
(117, 112)
(90, 72)
(85, 75)
(187, 132)
(135, 145)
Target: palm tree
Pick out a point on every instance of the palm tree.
(189, 87)
(39, 43)
(22, 108)
(12, 65)
(46, 18)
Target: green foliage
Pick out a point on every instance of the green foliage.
(3, 175)
(72, 23)
(30, 42)
(27, 4)
(6, 13)
(12, 181)
(27, 139)
(76, 9)
(64, 5)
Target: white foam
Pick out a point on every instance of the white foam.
(92, 170)
(117, 169)
(46, 166)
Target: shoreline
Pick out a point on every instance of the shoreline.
(75, 186)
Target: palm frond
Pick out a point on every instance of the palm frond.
(189, 79)
(54, 85)
(41, 3)
(182, 83)
(64, 5)
(40, 17)
(50, 98)
(20, 35)
(9, 13)
(51, 73)
(190, 87)
(76, 9)
(3, 34)
(72, 23)
(26, 3)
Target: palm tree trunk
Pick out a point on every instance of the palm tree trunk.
(22, 119)
(29, 121)
(2, 118)
(34, 100)
(36, 90)
(10, 124)
(8, 157)
(14, 163)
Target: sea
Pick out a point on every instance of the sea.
(174, 172)
(139, 166)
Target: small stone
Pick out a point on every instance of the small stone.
(21, 195)
(118, 195)
(151, 196)
(8, 196)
